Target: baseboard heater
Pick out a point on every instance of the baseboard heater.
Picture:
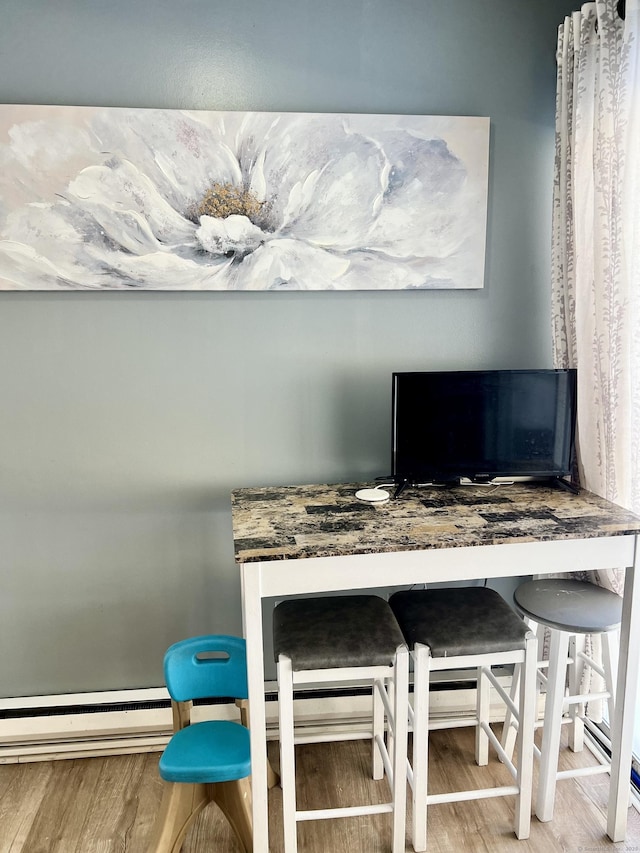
(128, 721)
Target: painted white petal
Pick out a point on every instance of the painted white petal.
(283, 264)
(42, 249)
(158, 271)
(252, 137)
(23, 268)
(179, 153)
(346, 198)
(120, 191)
(444, 230)
(127, 229)
(45, 248)
(368, 270)
(303, 153)
(40, 224)
(427, 208)
(235, 234)
(301, 196)
(291, 146)
(257, 181)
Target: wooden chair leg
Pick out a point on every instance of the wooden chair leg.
(181, 802)
(272, 777)
(234, 800)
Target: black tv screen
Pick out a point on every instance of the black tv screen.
(482, 424)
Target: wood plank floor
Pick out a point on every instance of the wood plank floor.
(100, 805)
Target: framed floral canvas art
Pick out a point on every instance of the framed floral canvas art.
(144, 199)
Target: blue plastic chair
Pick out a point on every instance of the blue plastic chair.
(208, 761)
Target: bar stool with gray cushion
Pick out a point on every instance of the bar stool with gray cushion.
(458, 628)
(344, 639)
(570, 609)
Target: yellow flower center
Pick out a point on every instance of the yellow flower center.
(223, 200)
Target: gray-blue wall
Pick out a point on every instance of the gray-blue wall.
(126, 419)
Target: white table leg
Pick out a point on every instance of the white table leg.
(623, 723)
(547, 778)
(252, 624)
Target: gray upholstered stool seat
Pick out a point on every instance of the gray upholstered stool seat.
(332, 639)
(458, 621)
(336, 631)
(570, 605)
(460, 628)
(568, 610)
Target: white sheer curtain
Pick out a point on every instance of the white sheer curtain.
(596, 244)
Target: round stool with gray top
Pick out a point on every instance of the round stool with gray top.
(460, 628)
(570, 609)
(344, 639)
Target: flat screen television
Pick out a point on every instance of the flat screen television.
(482, 425)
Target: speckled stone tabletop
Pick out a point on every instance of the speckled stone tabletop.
(294, 522)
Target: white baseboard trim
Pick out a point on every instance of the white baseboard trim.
(90, 725)
(80, 725)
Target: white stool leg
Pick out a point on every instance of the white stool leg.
(287, 754)
(576, 709)
(391, 694)
(510, 725)
(526, 725)
(421, 667)
(377, 731)
(483, 704)
(421, 672)
(558, 654)
(610, 646)
(399, 749)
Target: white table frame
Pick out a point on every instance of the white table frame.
(273, 578)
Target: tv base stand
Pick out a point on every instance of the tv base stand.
(561, 483)
(558, 482)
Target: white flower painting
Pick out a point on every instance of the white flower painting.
(142, 199)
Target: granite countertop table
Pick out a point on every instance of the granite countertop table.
(294, 522)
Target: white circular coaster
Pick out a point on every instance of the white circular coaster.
(372, 495)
